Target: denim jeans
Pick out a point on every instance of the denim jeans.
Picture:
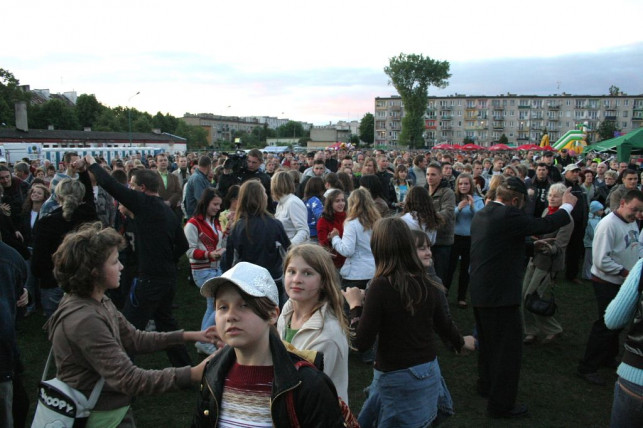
(406, 398)
(200, 277)
(627, 408)
(49, 298)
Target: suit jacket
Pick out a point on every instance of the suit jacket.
(173, 192)
(498, 244)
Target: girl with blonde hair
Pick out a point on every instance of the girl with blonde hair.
(355, 243)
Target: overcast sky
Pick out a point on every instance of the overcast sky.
(315, 61)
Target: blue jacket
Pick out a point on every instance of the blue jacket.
(194, 188)
(314, 207)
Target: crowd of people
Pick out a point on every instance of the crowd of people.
(304, 258)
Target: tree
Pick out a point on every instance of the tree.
(54, 112)
(367, 128)
(88, 109)
(291, 129)
(411, 75)
(503, 139)
(606, 130)
(10, 94)
(614, 90)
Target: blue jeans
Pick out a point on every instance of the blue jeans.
(49, 298)
(627, 408)
(200, 277)
(406, 398)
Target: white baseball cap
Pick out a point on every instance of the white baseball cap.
(251, 279)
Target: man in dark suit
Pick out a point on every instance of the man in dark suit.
(497, 267)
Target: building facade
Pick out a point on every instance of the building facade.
(521, 118)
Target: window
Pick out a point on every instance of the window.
(625, 113)
(626, 102)
(624, 125)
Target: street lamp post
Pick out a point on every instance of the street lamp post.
(129, 116)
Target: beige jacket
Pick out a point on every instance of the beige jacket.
(322, 333)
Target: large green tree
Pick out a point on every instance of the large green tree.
(54, 112)
(88, 109)
(606, 130)
(367, 128)
(290, 129)
(10, 93)
(411, 75)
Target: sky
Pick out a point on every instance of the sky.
(312, 61)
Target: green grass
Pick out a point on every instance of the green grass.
(548, 383)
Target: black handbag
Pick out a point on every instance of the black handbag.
(538, 305)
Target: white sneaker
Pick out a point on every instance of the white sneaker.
(205, 348)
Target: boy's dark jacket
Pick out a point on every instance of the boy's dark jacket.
(315, 397)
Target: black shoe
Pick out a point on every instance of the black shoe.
(593, 378)
(519, 411)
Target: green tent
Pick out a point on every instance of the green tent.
(624, 145)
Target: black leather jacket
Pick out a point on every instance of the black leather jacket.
(315, 398)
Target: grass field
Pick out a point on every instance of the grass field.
(548, 384)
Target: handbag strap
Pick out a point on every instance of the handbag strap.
(98, 388)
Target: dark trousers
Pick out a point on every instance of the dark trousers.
(573, 255)
(461, 248)
(602, 345)
(441, 255)
(499, 355)
(151, 299)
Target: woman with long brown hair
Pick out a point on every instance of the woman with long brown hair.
(332, 217)
(256, 237)
(419, 212)
(402, 310)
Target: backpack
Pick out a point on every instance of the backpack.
(350, 421)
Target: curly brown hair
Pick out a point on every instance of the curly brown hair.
(79, 260)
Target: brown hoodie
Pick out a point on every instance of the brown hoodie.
(91, 339)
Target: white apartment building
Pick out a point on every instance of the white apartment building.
(521, 118)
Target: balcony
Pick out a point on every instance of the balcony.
(446, 107)
(446, 117)
(609, 115)
(524, 138)
(637, 117)
(524, 105)
(498, 125)
(554, 106)
(446, 127)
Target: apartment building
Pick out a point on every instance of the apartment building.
(521, 118)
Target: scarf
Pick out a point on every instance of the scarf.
(551, 210)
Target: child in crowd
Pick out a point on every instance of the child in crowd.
(401, 184)
(403, 309)
(313, 317)
(596, 210)
(253, 381)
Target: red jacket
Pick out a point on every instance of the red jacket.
(324, 227)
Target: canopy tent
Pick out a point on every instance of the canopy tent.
(500, 147)
(533, 147)
(624, 145)
(472, 147)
